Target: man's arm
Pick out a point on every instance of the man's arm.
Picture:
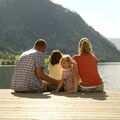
(44, 76)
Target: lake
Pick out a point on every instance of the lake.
(109, 72)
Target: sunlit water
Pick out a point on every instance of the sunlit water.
(109, 72)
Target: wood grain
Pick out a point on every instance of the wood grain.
(61, 106)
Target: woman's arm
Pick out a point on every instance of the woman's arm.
(76, 76)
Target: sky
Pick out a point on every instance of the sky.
(102, 15)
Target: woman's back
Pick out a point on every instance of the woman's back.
(87, 67)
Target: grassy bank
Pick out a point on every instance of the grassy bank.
(8, 61)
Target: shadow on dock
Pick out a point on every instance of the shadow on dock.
(93, 95)
(46, 95)
(32, 95)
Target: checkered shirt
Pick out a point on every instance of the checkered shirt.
(25, 77)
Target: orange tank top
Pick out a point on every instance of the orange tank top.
(88, 72)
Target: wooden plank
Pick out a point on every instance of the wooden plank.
(61, 106)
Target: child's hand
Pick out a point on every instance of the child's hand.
(75, 90)
(55, 91)
(70, 92)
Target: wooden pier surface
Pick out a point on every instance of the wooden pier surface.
(61, 106)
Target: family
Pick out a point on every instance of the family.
(66, 73)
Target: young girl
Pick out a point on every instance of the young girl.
(67, 75)
(55, 69)
(87, 68)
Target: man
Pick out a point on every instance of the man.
(28, 74)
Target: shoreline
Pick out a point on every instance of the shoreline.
(99, 63)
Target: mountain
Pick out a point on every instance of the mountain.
(116, 41)
(22, 22)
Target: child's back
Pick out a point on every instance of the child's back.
(68, 77)
(54, 68)
(55, 71)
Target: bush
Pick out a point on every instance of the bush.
(3, 63)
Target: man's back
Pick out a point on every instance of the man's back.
(25, 77)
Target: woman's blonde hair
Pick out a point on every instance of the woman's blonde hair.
(85, 46)
(66, 58)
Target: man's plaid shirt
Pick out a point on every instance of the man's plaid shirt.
(25, 77)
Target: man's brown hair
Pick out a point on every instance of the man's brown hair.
(40, 43)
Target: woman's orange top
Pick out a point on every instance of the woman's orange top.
(88, 72)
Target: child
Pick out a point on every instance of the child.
(87, 67)
(67, 75)
(55, 69)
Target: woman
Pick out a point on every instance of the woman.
(90, 80)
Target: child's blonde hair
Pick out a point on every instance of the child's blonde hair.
(85, 46)
(55, 57)
(66, 58)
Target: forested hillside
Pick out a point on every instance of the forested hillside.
(22, 22)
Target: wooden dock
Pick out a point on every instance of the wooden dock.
(61, 106)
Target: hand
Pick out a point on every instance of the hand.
(55, 91)
(70, 92)
(75, 90)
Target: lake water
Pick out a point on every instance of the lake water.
(109, 72)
